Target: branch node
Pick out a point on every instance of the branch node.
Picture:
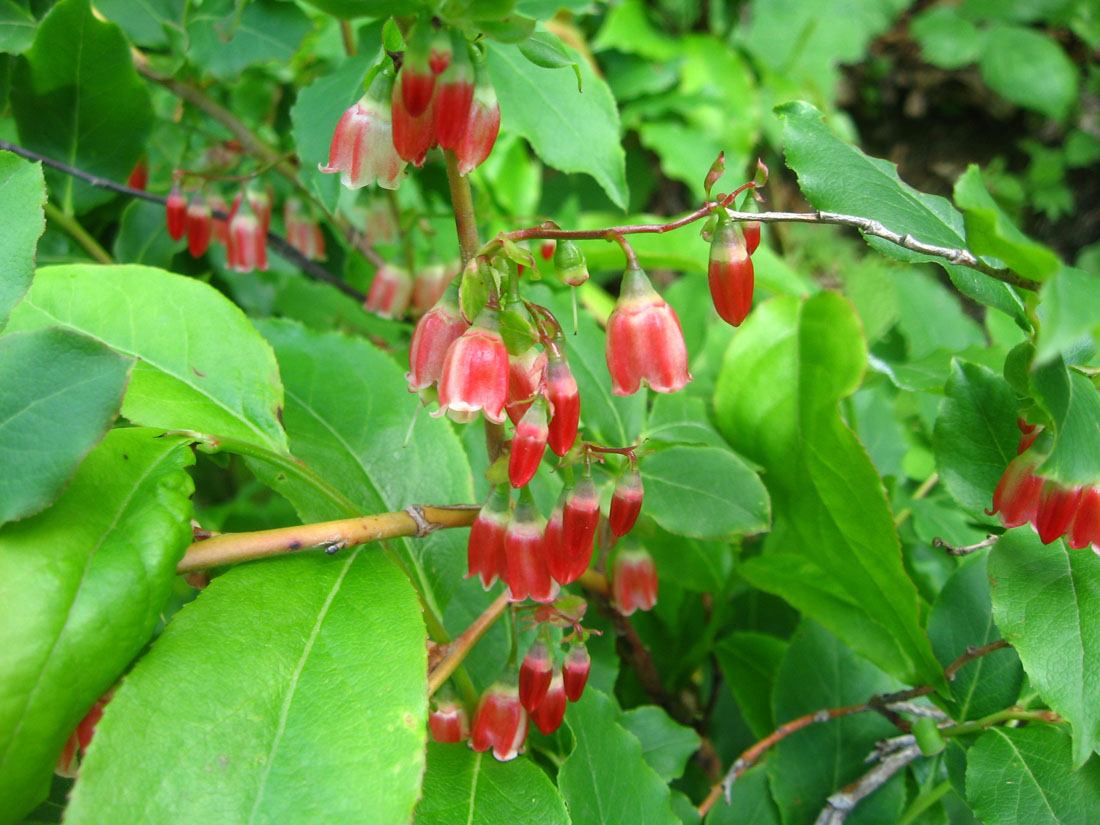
(423, 526)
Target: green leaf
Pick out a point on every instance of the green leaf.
(1046, 602)
(145, 23)
(83, 585)
(570, 131)
(975, 436)
(805, 767)
(17, 26)
(314, 116)
(348, 411)
(946, 38)
(838, 177)
(463, 786)
(1073, 404)
(605, 779)
(143, 236)
(1030, 69)
(750, 663)
(989, 231)
(962, 616)
(666, 745)
(930, 317)
(24, 194)
(1067, 311)
(677, 418)
(61, 393)
(77, 99)
(834, 553)
(545, 49)
(704, 492)
(1026, 775)
(750, 801)
(225, 40)
(627, 29)
(201, 364)
(290, 690)
(347, 9)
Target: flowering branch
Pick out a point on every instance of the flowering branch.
(277, 242)
(881, 704)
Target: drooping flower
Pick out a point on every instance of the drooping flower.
(1058, 504)
(565, 404)
(1016, 498)
(575, 671)
(413, 135)
(500, 722)
(416, 80)
(389, 292)
(454, 94)
(550, 712)
(730, 272)
(199, 226)
(475, 373)
(1085, 529)
(581, 516)
(436, 330)
(525, 375)
(429, 285)
(527, 574)
(247, 245)
(485, 552)
(626, 502)
(362, 146)
(448, 719)
(482, 125)
(528, 444)
(534, 675)
(633, 580)
(644, 340)
(176, 213)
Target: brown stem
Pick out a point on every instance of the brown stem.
(228, 548)
(965, 549)
(460, 647)
(348, 36)
(840, 804)
(462, 202)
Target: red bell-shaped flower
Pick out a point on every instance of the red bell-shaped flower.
(437, 329)
(362, 148)
(389, 292)
(200, 226)
(413, 135)
(482, 125)
(486, 557)
(633, 581)
(528, 444)
(221, 225)
(581, 516)
(1058, 504)
(557, 560)
(575, 671)
(475, 373)
(454, 95)
(500, 722)
(1017, 495)
(534, 675)
(176, 213)
(626, 502)
(448, 719)
(247, 246)
(565, 404)
(730, 272)
(551, 710)
(416, 80)
(429, 284)
(302, 231)
(525, 377)
(644, 340)
(1085, 529)
(527, 573)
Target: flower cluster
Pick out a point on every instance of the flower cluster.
(441, 96)
(1054, 509)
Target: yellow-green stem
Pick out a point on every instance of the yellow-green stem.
(78, 234)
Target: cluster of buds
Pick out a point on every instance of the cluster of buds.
(546, 683)
(441, 96)
(1055, 510)
(243, 231)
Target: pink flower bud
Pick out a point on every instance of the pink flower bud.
(581, 516)
(482, 125)
(644, 341)
(176, 213)
(416, 79)
(1017, 495)
(247, 246)
(485, 551)
(448, 720)
(626, 502)
(730, 272)
(565, 404)
(752, 235)
(1057, 507)
(534, 675)
(557, 561)
(362, 148)
(389, 292)
(525, 375)
(199, 226)
(139, 177)
(633, 581)
(575, 671)
(500, 722)
(475, 373)
(440, 327)
(1086, 522)
(527, 573)
(550, 712)
(528, 444)
(454, 96)
(413, 135)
